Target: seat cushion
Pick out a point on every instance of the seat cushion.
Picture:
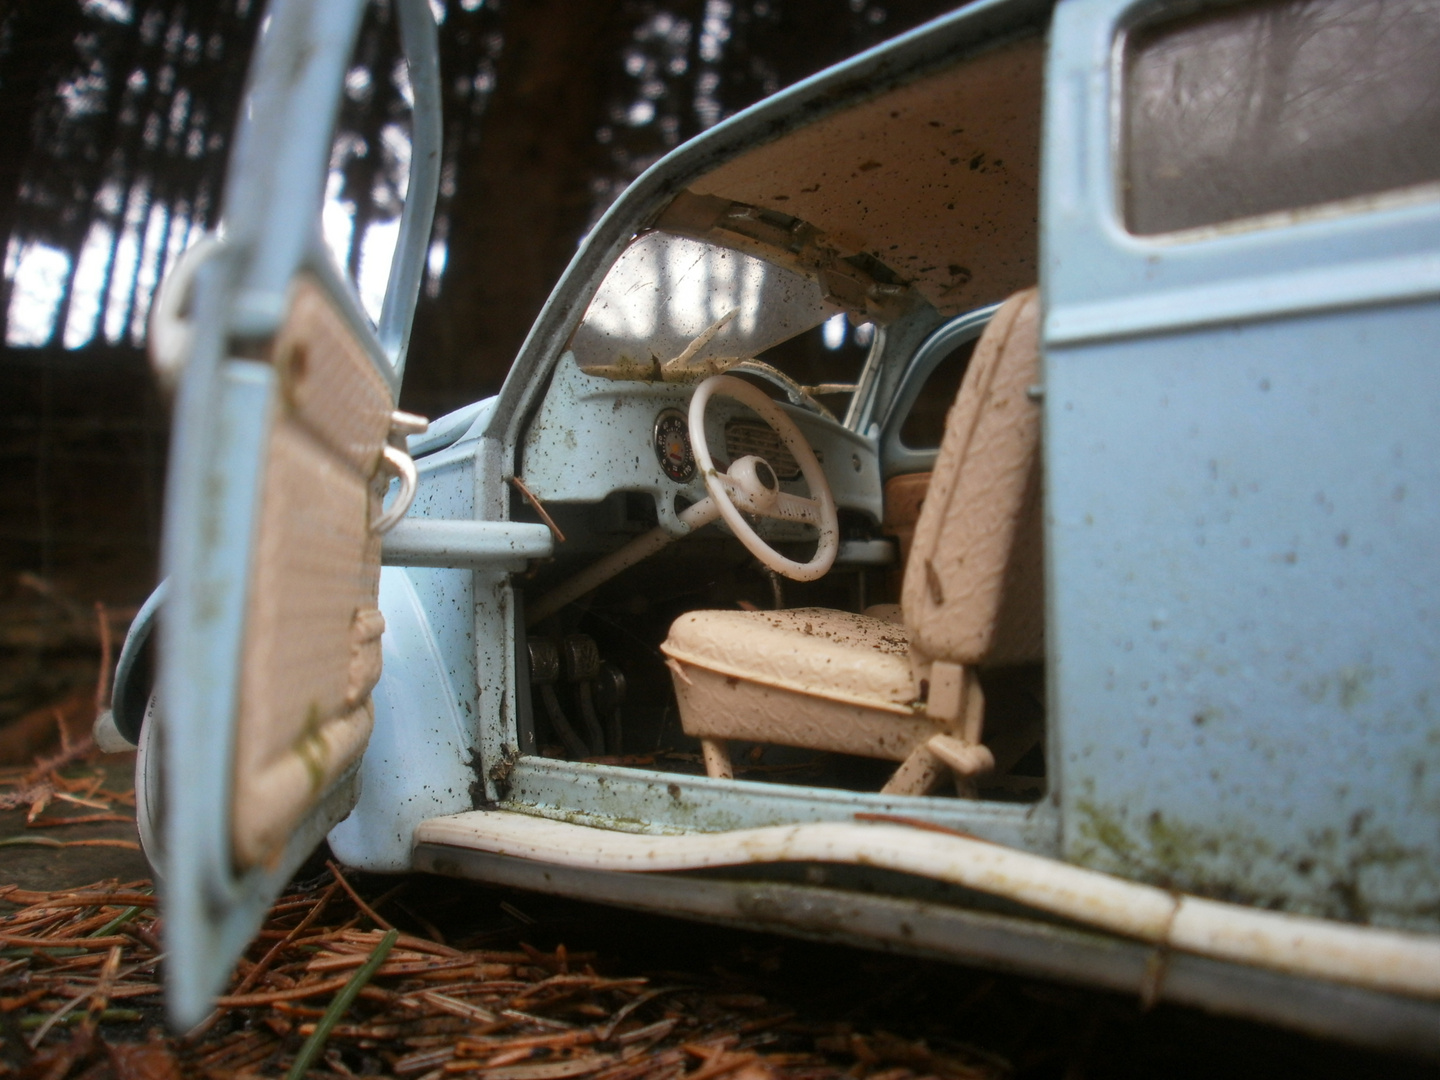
(813, 651)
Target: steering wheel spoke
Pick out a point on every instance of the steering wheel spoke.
(797, 508)
(737, 494)
(750, 484)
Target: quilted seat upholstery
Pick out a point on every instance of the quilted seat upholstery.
(973, 594)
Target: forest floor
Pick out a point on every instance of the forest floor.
(506, 985)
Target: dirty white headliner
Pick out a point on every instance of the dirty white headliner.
(937, 179)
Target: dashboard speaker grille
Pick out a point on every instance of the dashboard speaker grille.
(752, 437)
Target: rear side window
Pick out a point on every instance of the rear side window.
(1270, 107)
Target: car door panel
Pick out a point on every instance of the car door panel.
(311, 651)
(285, 436)
(1241, 438)
(904, 495)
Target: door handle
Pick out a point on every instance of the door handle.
(399, 464)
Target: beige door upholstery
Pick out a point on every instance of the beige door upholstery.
(312, 624)
(904, 498)
(973, 594)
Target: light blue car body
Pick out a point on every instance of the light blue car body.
(1241, 439)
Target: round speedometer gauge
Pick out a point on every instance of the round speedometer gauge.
(672, 446)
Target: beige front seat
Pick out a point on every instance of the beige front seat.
(973, 594)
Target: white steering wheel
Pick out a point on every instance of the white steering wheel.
(750, 483)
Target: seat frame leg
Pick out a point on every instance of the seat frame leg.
(919, 774)
(716, 753)
(958, 703)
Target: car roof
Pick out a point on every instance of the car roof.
(937, 179)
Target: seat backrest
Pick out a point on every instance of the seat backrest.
(974, 584)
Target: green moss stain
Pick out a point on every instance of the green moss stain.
(1105, 830)
(1334, 874)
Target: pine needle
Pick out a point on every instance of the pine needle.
(343, 1000)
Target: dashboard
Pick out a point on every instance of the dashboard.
(594, 436)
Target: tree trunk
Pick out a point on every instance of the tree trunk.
(523, 200)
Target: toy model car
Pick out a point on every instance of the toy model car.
(1124, 667)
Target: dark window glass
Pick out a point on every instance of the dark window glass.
(924, 425)
(1277, 106)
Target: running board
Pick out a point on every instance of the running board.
(1388, 961)
(999, 942)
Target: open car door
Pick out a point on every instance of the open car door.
(285, 445)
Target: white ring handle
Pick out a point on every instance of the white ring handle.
(402, 465)
(172, 329)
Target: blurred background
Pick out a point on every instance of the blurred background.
(116, 119)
